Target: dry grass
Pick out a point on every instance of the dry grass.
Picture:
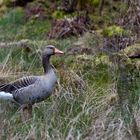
(94, 100)
(85, 104)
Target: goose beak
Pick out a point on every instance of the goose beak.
(56, 51)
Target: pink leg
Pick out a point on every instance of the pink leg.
(26, 110)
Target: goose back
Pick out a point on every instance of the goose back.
(41, 89)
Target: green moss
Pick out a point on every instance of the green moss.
(58, 15)
(95, 2)
(114, 31)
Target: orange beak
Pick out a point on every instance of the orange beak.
(56, 51)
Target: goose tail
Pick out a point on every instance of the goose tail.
(6, 96)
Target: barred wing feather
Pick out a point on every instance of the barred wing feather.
(20, 83)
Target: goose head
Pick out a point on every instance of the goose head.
(51, 50)
(46, 54)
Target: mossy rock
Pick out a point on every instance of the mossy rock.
(133, 50)
(128, 57)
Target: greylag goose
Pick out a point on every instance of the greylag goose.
(29, 90)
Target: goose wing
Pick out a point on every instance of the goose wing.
(19, 83)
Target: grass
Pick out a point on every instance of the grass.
(15, 27)
(74, 107)
(86, 103)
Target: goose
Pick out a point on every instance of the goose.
(32, 89)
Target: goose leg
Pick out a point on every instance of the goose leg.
(26, 110)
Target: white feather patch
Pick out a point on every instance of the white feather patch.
(6, 96)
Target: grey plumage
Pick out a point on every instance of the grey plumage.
(31, 89)
(37, 91)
